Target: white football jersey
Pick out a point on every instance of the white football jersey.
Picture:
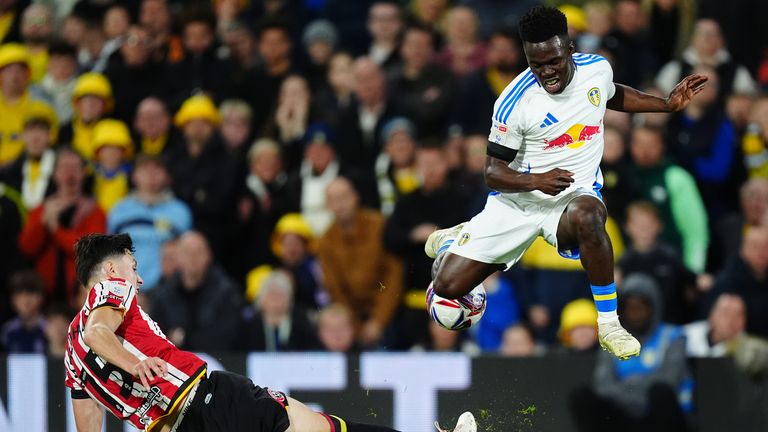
(556, 131)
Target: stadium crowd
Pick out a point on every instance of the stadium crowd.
(280, 163)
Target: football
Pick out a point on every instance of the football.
(457, 314)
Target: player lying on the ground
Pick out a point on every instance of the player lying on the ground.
(543, 162)
(118, 358)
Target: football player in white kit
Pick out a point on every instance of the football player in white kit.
(543, 163)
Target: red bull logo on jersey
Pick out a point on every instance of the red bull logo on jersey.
(576, 136)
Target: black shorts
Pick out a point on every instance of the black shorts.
(227, 402)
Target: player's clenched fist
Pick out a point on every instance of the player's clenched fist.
(148, 368)
(554, 181)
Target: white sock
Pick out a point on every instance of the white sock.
(606, 317)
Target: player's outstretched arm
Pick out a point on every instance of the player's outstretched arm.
(89, 416)
(628, 99)
(100, 336)
(500, 177)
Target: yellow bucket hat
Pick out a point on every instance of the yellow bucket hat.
(292, 223)
(11, 53)
(197, 107)
(580, 312)
(95, 84)
(112, 132)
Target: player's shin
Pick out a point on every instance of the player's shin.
(605, 302)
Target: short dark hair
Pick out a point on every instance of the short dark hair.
(60, 47)
(26, 281)
(273, 24)
(92, 249)
(542, 23)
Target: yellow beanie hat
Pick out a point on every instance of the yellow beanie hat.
(197, 107)
(111, 132)
(291, 223)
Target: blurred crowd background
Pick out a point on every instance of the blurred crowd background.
(279, 164)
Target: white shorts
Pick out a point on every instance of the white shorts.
(505, 229)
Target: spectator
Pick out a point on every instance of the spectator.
(73, 31)
(241, 43)
(723, 334)
(385, 22)
(517, 341)
(444, 340)
(629, 45)
(729, 231)
(433, 205)
(673, 191)
(357, 271)
(92, 100)
(133, 74)
(293, 243)
(502, 311)
(395, 167)
(650, 392)
(57, 321)
(12, 216)
(31, 173)
(576, 19)
(320, 41)
(112, 147)
(200, 69)
(618, 184)
(481, 88)
(169, 260)
(708, 48)
(422, 88)
(14, 99)
(670, 24)
(37, 32)
(474, 154)
(746, 275)
(52, 228)
(428, 13)
(236, 116)
(155, 16)
(703, 141)
(154, 135)
(58, 83)
(115, 26)
(291, 118)
(578, 327)
(262, 203)
(93, 52)
(599, 23)
(274, 323)
(754, 142)
(329, 102)
(463, 53)
(151, 215)
(307, 185)
(363, 119)
(262, 90)
(335, 329)
(26, 333)
(647, 255)
(198, 307)
(203, 175)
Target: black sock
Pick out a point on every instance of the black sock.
(338, 424)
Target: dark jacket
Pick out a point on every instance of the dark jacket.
(208, 315)
(297, 333)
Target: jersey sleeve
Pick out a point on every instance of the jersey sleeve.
(505, 135)
(610, 86)
(115, 293)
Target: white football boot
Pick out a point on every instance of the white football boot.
(466, 423)
(438, 237)
(617, 341)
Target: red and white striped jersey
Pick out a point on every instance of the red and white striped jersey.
(114, 388)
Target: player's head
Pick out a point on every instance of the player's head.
(548, 49)
(100, 256)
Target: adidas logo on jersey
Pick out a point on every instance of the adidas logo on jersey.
(549, 120)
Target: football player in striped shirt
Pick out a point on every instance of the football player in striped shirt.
(543, 163)
(118, 358)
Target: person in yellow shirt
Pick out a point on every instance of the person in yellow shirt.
(14, 99)
(31, 174)
(92, 101)
(111, 146)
